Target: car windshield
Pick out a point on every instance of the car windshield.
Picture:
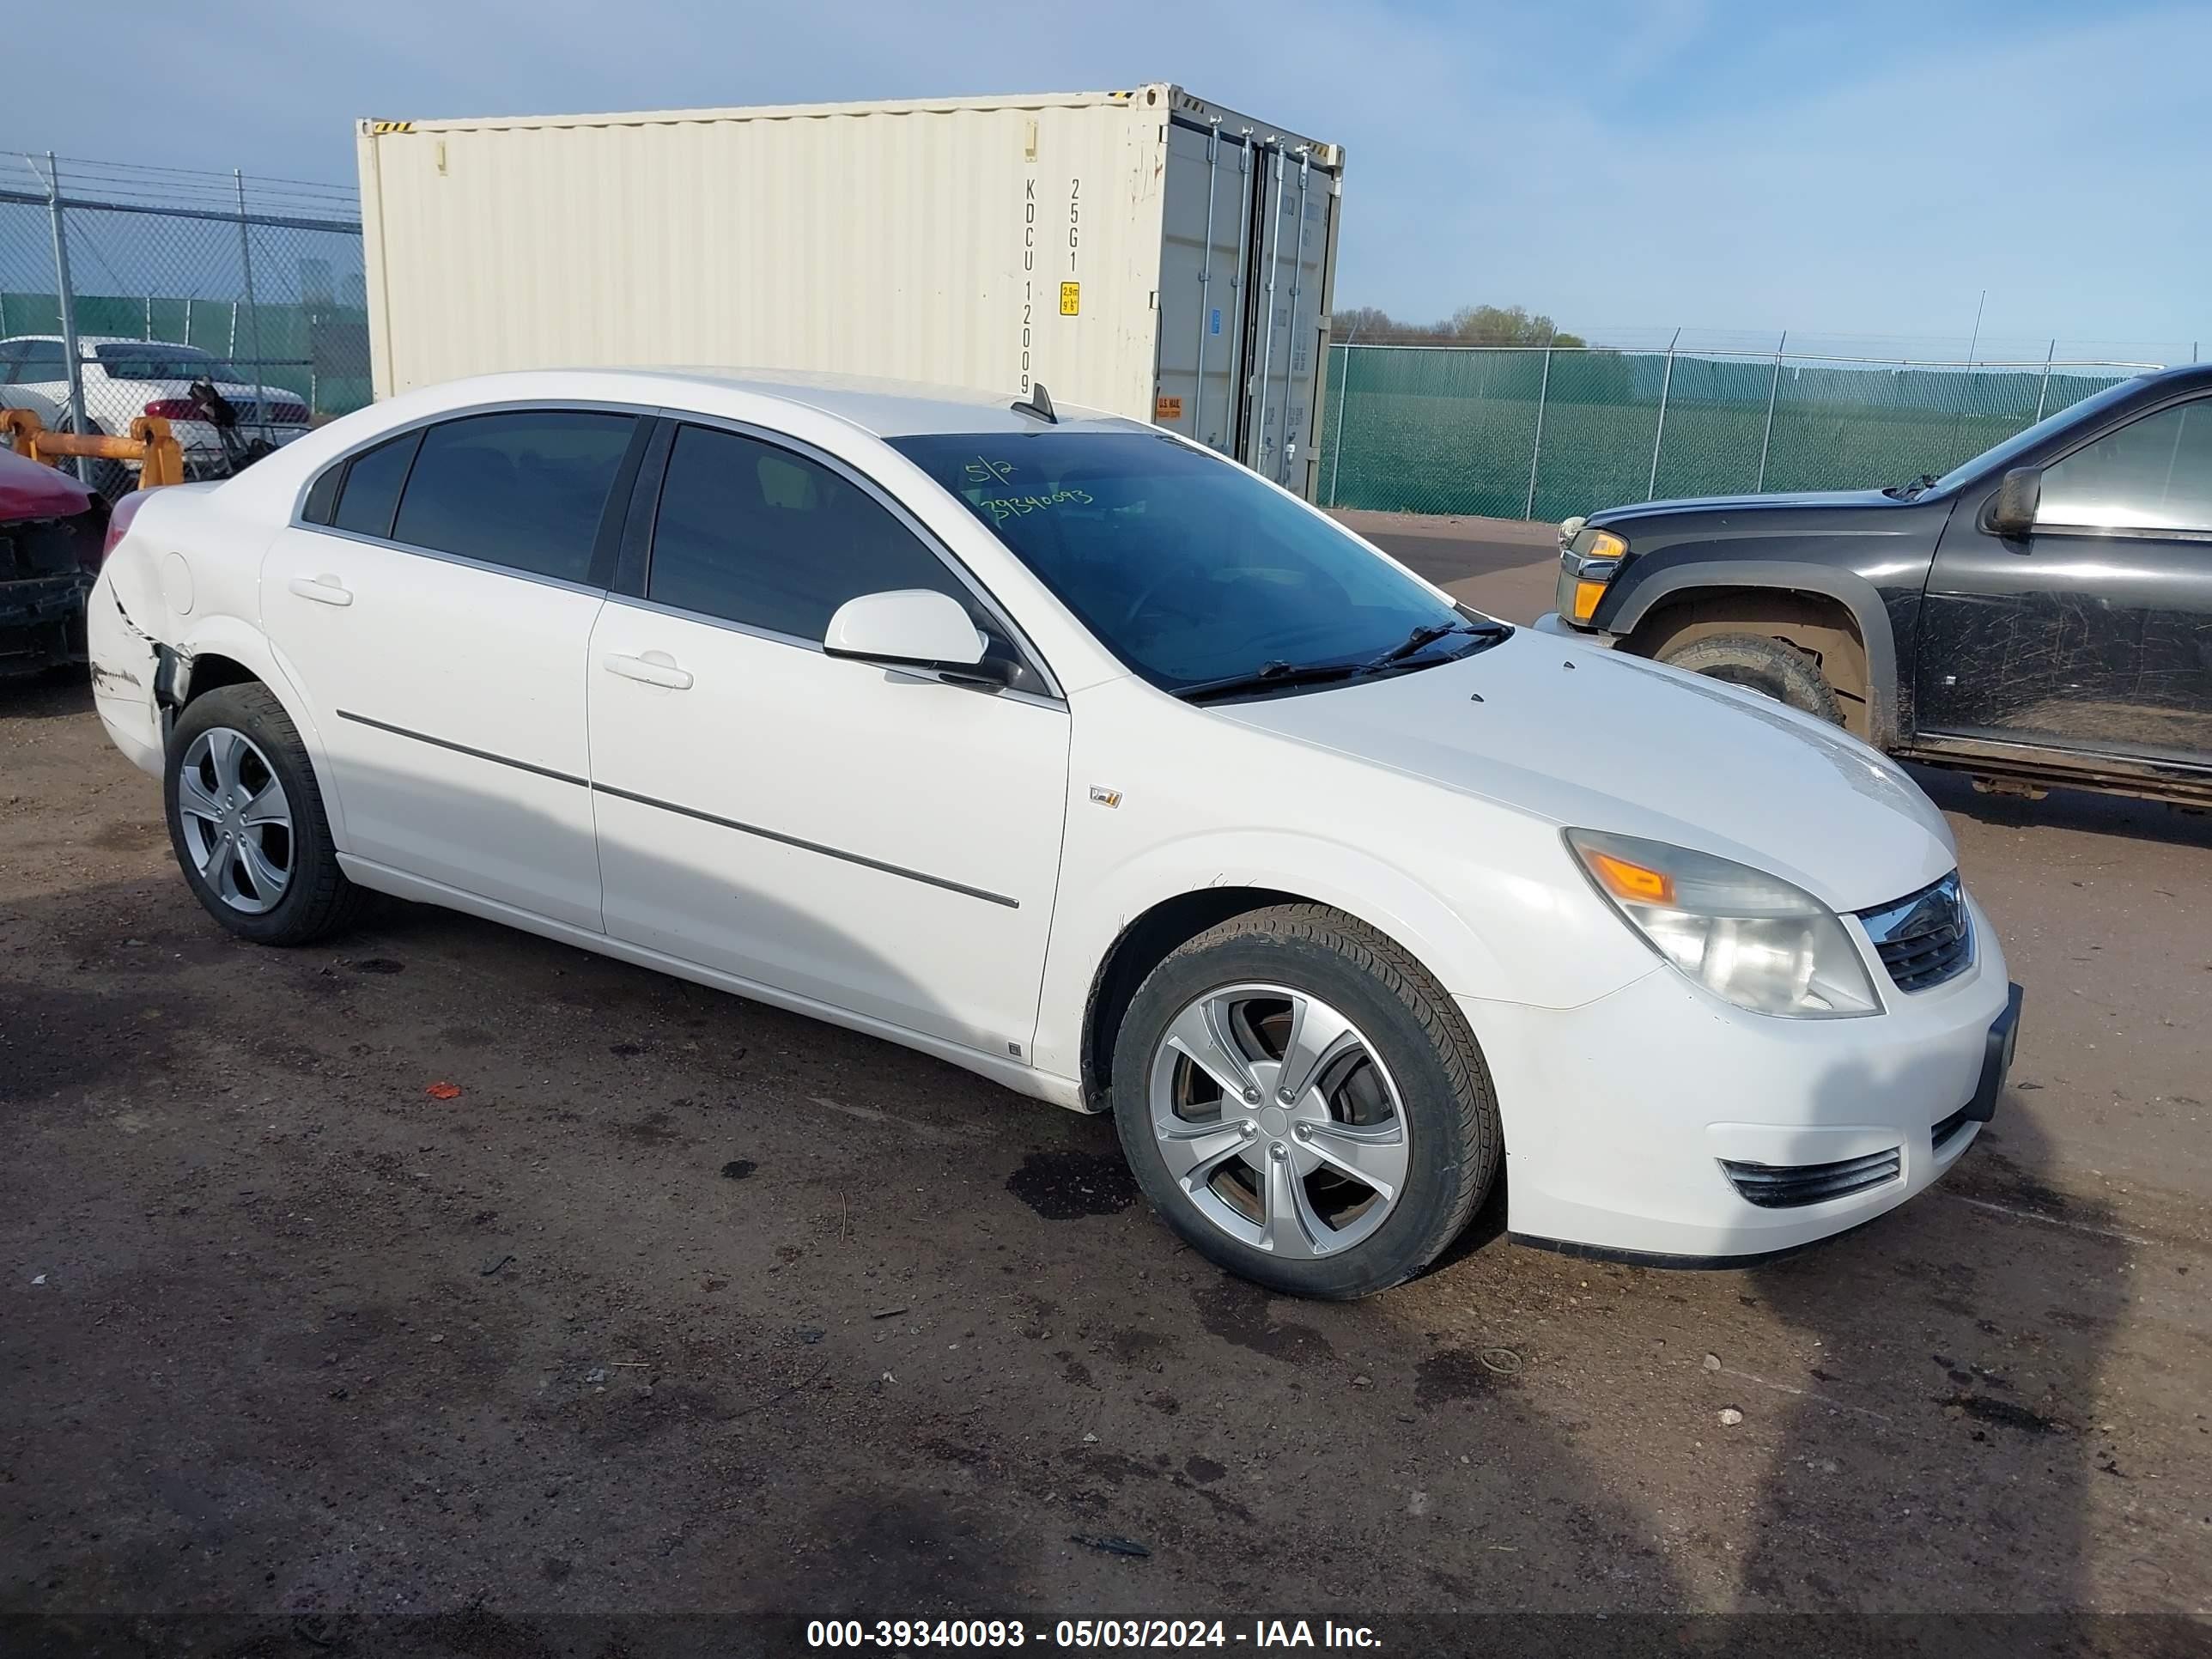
(2020, 443)
(1185, 566)
(157, 362)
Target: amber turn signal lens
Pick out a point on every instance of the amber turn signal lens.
(1633, 882)
(1587, 594)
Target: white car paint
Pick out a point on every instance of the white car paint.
(112, 402)
(1430, 805)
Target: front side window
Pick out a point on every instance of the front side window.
(1185, 566)
(526, 489)
(43, 361)
(757, 535)
(2152, 474)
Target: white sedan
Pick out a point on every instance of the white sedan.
(1067, 752)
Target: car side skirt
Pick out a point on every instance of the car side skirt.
(1010, 1074)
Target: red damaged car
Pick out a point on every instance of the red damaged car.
(52, 528)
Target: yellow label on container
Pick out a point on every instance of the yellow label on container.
(1071, 298)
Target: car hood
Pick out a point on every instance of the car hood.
(32, 489)
(1802, 498)
(1590, 739)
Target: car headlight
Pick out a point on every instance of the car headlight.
(1755, 939)
(1588, 561)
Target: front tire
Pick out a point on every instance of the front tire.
(247, 822)
(1303, 1105)
(1771, 667)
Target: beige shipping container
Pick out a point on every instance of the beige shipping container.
(1142, 252)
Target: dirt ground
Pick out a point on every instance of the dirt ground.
(684, 1306)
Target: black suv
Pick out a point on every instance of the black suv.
(2040, 615)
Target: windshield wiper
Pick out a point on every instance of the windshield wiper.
(1911, 491)
(1268, 676)
(1429, 633)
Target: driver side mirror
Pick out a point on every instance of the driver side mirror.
(912, 627)
(2011, 510)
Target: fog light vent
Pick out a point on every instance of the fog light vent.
(1786, 1186)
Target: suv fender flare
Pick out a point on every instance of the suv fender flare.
(1638, 597)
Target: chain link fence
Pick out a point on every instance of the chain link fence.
(1538, 433)
(120, 284)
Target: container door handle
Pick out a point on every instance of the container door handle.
(654, 668)
(324, 589)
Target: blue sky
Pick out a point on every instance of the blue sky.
(1864, 168)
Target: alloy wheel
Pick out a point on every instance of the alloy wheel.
(236, 819)
(1277, 1117)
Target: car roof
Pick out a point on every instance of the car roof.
(885, 407)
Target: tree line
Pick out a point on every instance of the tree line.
(1471, 325)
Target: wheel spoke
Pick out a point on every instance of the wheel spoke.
(193, 796)
(269, 882)
(1292, 1228)
(218, 868)
(267, 806)
(1198, 1034)
(1374, 1154)
(1192, 1151)
(225, 747)
(1319, 1037)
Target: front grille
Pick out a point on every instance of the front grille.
(1949, 1129)
(1925, 937)
(1786, 1186)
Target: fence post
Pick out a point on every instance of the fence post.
(149, 317)
(2043, 391)
(1666, 385)
(1537, 449)
(1767, 438)
(252, 309)
(1336, 447)
(65, 298)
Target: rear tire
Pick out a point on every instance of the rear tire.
(247, 822)
(1280, 1173)
(1758, 663)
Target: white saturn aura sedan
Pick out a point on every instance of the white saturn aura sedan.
(1064, 750)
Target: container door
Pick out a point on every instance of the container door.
(1292, 219)
(1206, 230)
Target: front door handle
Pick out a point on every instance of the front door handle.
(324, 589)
(654, 668)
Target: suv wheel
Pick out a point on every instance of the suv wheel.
(1302, 1104)
(1757, 663)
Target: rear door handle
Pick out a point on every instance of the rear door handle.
(324, 589)
(653, 667)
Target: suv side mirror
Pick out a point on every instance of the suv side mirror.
(2011, 510)
(908, 627)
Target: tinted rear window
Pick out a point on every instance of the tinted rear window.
(372, 483)
(525, 488)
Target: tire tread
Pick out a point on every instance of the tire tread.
(1392, 967)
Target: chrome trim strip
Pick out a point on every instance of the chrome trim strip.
(805, 845)
(463, 749)
(776, 836)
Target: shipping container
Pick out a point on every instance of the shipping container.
(1141, 252)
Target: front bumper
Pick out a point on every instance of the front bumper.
(1620, 1115)
(1552, 623)
(42, 622)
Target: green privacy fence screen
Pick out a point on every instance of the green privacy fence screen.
(1514, 432)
